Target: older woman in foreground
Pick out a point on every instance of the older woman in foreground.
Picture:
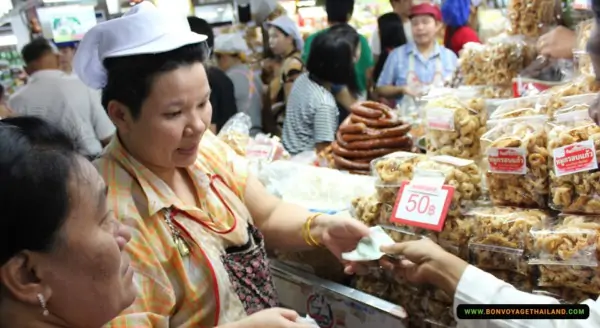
(62, 260)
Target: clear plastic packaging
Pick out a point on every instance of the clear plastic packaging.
(463, 175)
(488, 257)
(410, 297)
(497, 62)
(366, 209)
(556, 105)
(453, 126)
(266, 148)
(516, 161)
(439, 314)
(454, 238)
(533, 18)
(391, 170)
(518, 107)
(236, 132)
(580, 56)
(506, 226)
(573, 140)
(581, 84)
(373, 285)
(567, 257)
(584, 222)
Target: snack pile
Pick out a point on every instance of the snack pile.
(532, 18)
(372, 130)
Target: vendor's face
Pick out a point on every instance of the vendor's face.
(424, 29)
(224, 61)
(279, 43)
(172, 120)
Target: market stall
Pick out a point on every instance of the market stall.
(507, 180)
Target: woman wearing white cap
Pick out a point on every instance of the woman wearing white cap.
(286, 42)
(231, 51)
(197, 215)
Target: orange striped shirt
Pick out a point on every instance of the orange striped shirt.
(176, 290)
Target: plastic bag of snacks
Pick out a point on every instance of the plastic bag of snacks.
(373, 285)
(500, 237)
(567, 257)
(517, 162)
(454, 238)
(265, 147)
(464, 175)
(401, 232)
(573, 140)
(366, 209)
(439, 314)
(580, 56)
(391, 170)
(518, 107)
(410, 298)
(236, 132)
(533, 18)
(556, 105)
(498, 62)
(455, 126)
(580, 85)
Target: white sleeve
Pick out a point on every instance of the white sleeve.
(375, 43)
(479, 287)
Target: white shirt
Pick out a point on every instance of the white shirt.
(479, 287)
(376, 41)
(67, 102)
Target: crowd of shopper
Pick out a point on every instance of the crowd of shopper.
(167, 227)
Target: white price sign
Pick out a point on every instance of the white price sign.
(422, 206)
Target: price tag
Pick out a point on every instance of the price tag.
(422, 206)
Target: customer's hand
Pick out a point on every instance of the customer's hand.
(424, 261)
(340, 234)
(271, 318)
(558, 43)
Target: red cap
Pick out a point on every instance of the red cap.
(426, 9)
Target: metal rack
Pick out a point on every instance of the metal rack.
(333, 305)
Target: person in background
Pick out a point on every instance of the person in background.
(62, 260)
(4, 109)
(340, 12)
(286, 42)
(391, 36)
(61, 99)
(425, 262)
(200, 219)
(414, 67)
(402, 9)
(593, 48)
(460, 17)
(230, 52)
(311, 119)
(222, 95)
(67, 51)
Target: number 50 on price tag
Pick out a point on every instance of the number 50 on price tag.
(422, 206)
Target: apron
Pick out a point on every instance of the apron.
(408, 106)
(247, 265)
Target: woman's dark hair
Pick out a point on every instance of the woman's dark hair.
(339, 11)
(200, 26)
(130, 78)
(391, 35)
(37, 161)
(331, 57)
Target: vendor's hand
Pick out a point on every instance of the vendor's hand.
(340, 234)
(558, 43)
(271, 318)
(424, 261)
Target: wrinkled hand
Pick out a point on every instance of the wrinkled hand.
(272, 318)
(558, 43)
(341, 234)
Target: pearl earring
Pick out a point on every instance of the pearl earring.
(42, 300)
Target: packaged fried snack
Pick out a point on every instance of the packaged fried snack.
(524, 283)
(518, 107)
(454, 126)
(533, 18)
(366, 209)
(556, 105)
(573, 140)
(516, 159)
(564, 295)
(501, 239)
(391, 170)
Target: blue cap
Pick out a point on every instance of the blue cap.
(455, 13)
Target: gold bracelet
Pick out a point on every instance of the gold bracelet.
(308, 237)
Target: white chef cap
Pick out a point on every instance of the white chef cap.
(231, 43)
(142, 30)
(286, 24)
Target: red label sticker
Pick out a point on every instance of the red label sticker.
(507, 160)
(422, 206)
(578, 157)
